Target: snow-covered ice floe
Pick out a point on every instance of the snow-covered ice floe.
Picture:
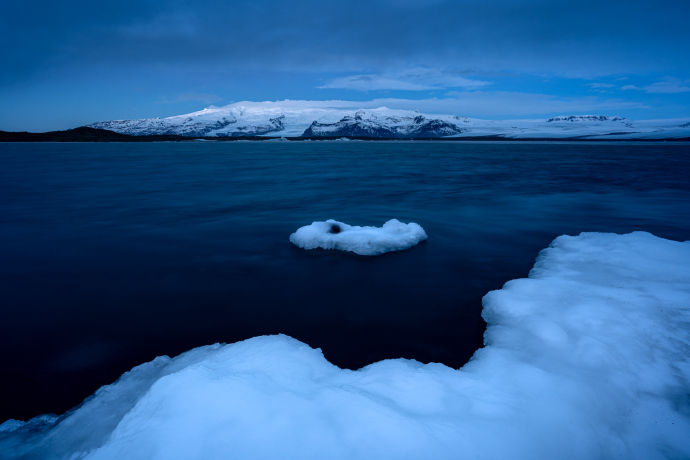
(588, 358)
(366, 241)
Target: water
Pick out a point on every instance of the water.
(113, 254)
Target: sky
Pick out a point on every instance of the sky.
(69, 63)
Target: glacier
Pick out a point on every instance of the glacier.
(586, 358)
(365, 241)
(313, 120)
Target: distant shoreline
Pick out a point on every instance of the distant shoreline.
(85, 134)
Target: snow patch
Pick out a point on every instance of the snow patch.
(366, 241)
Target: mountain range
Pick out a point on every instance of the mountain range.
(270, 119)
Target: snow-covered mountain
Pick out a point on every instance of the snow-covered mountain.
(583, 118)
(294, 120)
(389, 124)
(212, 121)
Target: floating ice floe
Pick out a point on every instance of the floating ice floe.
(366, 241)
(586, 359)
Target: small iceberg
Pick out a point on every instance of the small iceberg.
(365, 241)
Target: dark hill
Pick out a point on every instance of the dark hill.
(83, 134)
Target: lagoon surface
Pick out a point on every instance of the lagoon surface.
(113, 254)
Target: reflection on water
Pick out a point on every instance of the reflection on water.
(113, 254)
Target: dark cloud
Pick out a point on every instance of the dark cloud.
(584, 38)
(75, 62)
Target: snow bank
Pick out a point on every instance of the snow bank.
(587, 358)
(366, 241)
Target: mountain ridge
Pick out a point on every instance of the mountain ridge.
(273, 120)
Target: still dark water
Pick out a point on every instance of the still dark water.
(113, 254)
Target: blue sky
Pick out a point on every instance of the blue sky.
(74, 62)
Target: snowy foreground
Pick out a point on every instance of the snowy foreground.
(366, 241)
(587, 358)
(315, 119)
